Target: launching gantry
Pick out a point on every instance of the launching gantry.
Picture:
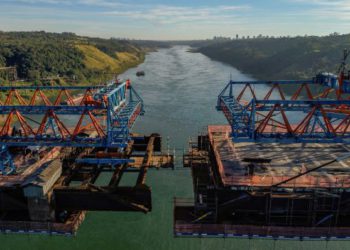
(65, 149)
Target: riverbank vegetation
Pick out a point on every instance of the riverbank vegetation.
(42, 56)
(278, 58)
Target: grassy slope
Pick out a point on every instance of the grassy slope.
(95, 59)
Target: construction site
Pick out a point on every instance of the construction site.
(57, 141)
(279, 170)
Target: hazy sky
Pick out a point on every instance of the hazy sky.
(177, 19)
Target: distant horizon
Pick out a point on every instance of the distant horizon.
(241, 37)
(181, 20)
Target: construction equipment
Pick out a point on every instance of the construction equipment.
(110, 111)
(55, 144)
(280, 169)
(308, 113)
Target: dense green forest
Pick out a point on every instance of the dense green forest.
(41, 55)
(279, 58)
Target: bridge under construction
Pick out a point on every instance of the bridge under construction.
(65, 150)
(280, 169)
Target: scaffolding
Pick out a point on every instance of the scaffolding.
(246, 190)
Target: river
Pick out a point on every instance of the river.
(179, 90)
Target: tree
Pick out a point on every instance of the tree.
(41, 54)
(2, 61)
(33, 75)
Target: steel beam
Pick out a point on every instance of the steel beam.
(43, 87)
(274, 118)
(103, 199)
(117, 104)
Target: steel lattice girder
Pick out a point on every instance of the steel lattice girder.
(39, 110)
(104, 161)
(35, 87)
(109, 101)
(272, 118)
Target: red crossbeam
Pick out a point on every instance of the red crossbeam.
(27, 129)
(38, 97)
(298, 92)
(96, 125)
(61, 127)
(68, 96)
(282, 95)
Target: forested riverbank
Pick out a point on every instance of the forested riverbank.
(279, 58)
(42, 56)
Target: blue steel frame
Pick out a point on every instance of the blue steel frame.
(119, 104)
(6, 162)
(119, 111)
(34, 87)
(324, 122)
